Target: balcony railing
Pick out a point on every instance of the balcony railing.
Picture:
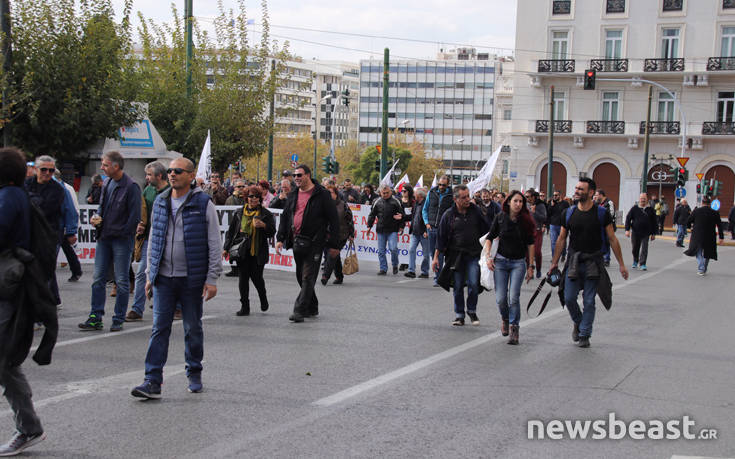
(609, 65)
(718, 128)
(560, 126)
(663, 65)
(673, 5)
(561, 7)
(615, 6)
(556, 65)
(721, 63)
(728, 4)
(661, 127)
(605, 127)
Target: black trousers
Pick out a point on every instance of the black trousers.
(640, 247)
(250, 270)
(332, 265)
(71, 257)
(14, 383)
(307, 269)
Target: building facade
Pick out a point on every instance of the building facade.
(686, 47)
(445, 104)
(331, 80)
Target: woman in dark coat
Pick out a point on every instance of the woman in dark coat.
(705, 223)
(346, 233)
(251, 227)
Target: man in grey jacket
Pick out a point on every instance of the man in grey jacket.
(184, 262)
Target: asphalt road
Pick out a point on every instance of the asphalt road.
(382, 373)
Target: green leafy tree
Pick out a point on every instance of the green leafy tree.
(72, 81)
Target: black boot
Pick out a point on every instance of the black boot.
(244, 308)
(264, 304)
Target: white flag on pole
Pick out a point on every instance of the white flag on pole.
(485, 174)
(401, 182)
(205, 160)
(386, 180)
(420, 183)
(433, 183)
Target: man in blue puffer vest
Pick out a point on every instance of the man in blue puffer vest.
(184, 262)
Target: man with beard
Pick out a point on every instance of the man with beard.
(308, 223)
(586, 224)
(640, 225)
(557, 210)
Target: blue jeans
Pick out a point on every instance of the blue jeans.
(167, 292)
(554, 235)
(469, 274)
(417, 239)
(140, 278)
(508, 276)
(571, 292)
(115, 251)
(433, 234)
(702, 262)
(681, 233)
(392, 240)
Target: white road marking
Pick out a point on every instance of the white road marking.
(96, 386)
(421, 364)
(93, 336)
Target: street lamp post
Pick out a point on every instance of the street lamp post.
(316, 131)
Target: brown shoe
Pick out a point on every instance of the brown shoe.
(504, 328)
(513, 335)
(114, 290)
(177, 315)
(133, 316)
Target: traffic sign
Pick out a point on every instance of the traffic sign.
(683, 160)
(294, 164)
(715, 204)
(699, 176)
(680, 193)
(294, 158)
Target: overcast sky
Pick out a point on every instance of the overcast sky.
(484, 24)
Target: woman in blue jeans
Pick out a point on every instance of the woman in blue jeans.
(514, 228)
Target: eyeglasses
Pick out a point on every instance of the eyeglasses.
(46, 169)
(253, 196)
(177, 171)
(298, 175)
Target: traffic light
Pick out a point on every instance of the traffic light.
(377, 165)
(710, 189)
(335, 167)
(378, 147)
(681, 174)
(699, 188)
(716, 188)
(589, 79)
(346, 97)
(327, 164)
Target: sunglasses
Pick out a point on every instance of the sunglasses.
(442, 185)
(46, 169)
(298, 175)
(239, 186)
(177, 170)
(253, 196)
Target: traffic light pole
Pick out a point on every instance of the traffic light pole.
(189, 17)
(549, 188)
(384, 130)
(644, 174)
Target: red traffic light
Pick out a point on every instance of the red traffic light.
(682, 171)
(590, 73)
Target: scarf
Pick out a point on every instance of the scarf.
(247, 227)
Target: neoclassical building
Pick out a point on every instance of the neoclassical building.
(685, 46)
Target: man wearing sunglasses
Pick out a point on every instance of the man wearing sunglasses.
(308, 223)
(50, 196)
(438, 202)
(184, 262)
(116, 220)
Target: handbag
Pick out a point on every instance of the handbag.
(350, 265)
(237, 247)
(11, 274)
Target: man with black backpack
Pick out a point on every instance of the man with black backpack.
(28, 243)
(589, 228)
